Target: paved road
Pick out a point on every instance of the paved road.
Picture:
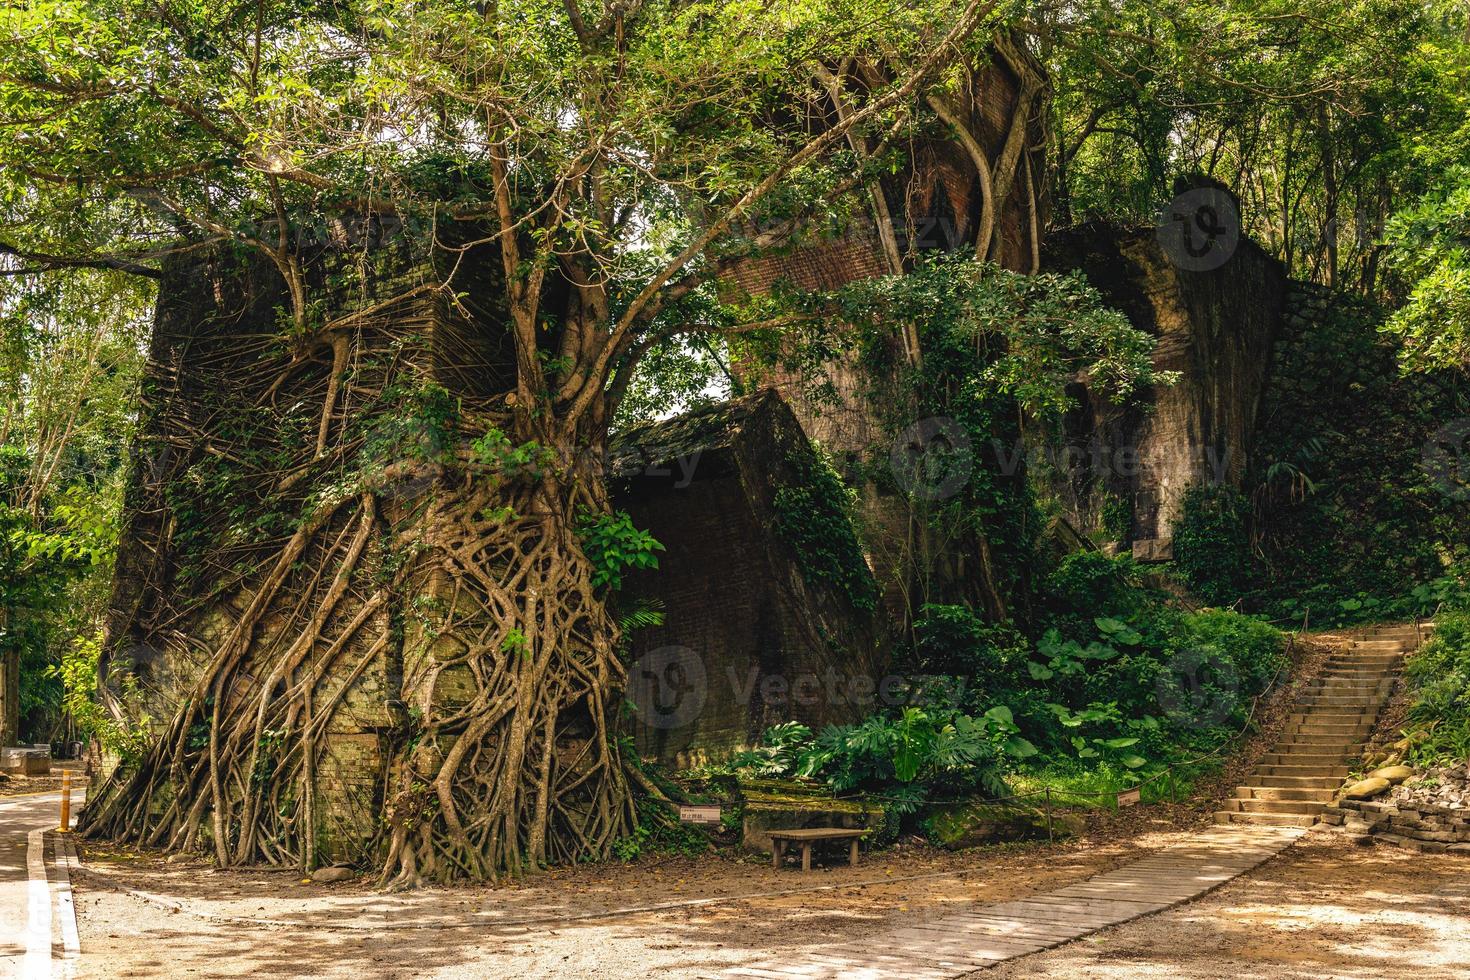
(32, 932)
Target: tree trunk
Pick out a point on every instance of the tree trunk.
(9, 689)
(431, 597)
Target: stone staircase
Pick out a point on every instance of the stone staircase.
(1327, 730)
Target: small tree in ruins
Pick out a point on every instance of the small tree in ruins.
(619, 156)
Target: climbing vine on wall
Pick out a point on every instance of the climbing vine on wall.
(814, 515)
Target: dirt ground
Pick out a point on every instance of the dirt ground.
(276, 925)
(1326, 908)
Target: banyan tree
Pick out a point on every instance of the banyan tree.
(408, 259)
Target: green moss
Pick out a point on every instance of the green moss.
(814, 516)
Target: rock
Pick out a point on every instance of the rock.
(784, 805)
(1394, 774)
(973, 823)
(4, 777)
(1366, 789)
(335, 873)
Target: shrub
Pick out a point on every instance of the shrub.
(1440, 672)
(1088, 584)
(1212, 550)
(952, 640)
(813, 516)
(1256, 649)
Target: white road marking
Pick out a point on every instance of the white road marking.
(37, 964)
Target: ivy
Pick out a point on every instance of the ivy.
(813, 516)
(613, 545)
(1212, 543)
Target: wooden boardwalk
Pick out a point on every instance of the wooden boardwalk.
(982, 936)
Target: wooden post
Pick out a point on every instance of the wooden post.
(1048, 815)
(806, 855)
(65, 800)
(777, 847)
(853, 854)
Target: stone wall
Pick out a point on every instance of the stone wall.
(1416, 826)
(750, 638)
(1120, 472)
(226, 395)
(1427, 811)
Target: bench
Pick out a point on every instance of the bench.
(781, 839)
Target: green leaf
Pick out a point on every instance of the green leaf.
(1018, 748)
(1119, 743)
(1001, 714)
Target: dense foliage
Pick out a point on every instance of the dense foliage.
(69, 375)
(1355, 508)
(621, 160)
(1117, 688)
(1439, 714)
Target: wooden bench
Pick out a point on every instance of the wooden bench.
(781, 839)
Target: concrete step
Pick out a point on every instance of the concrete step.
(1350, 750)
(1284, 769)
(1265, 819)
(1294, 755)
(1351, 685)
(1326, 759)
(1319, 795)
(1354, 682)
(1328, 717)
(1275, 806)
(1335, 714)
(1343, 728)
(1296, 782)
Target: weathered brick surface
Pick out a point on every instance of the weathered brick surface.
(216, 335)
(771, 645)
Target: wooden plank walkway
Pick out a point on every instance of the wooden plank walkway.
(984, 935)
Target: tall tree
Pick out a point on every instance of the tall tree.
(622, 155)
